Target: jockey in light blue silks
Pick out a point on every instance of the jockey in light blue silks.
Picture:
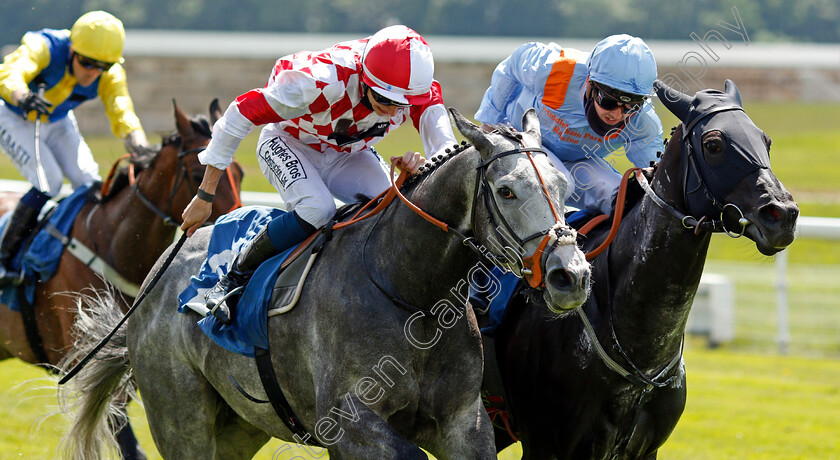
(590, 106)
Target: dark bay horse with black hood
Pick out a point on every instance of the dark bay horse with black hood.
(608, 382)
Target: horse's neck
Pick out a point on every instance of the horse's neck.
(655, 269)
(125, 233)
(420, 260)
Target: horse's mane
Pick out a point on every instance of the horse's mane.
(433, 163)
(143, 160)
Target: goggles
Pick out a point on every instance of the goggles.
(382, 100)
(611, 100)
(89, 63)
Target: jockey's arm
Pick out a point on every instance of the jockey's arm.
(436, 130)
(228, 133)
(199, 209)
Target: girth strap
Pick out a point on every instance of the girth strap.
(278, 399)
(92, 260)
(33, 336)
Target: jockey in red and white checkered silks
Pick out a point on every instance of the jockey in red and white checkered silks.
(321, 113)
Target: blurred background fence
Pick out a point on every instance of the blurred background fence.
(195, 67)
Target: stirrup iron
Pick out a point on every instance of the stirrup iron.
(223, 309)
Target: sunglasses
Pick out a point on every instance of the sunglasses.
(608, 101)
(382, 100)
(89, 63)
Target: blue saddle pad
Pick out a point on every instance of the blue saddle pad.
(39, 259)
(230, 233)
(497, 303)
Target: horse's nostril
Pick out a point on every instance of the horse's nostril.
(774, 214)
(560, 279)
(771, 214)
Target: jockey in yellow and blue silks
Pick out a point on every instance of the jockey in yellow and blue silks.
(72, 66)
(590, 105)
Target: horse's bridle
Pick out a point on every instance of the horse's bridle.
(690, 167)
(182, 176)
(532, 267)
(704, 223)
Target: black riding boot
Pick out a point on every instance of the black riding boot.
(222, 299)
(17, 229)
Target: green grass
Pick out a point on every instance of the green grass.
(740, 406)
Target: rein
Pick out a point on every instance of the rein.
(689, 222)
(532, 266)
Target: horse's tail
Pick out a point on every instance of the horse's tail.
(95, 397)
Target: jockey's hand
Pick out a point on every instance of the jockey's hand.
(136, 143)
(195, 215)
(411, 162)
(33, 101)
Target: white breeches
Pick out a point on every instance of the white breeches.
(63, 151)
(308, 180)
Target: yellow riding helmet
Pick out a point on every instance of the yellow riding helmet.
(98, 35)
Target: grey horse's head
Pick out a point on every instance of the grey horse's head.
(520, 212)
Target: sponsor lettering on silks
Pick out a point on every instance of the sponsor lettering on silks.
(18, 154)
(283, 162)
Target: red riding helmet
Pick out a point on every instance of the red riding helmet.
(397, 63)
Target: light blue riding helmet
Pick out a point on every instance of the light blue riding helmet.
(625, 63)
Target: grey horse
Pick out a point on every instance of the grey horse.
(380, 355)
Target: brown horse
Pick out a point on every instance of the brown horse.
(127, 230)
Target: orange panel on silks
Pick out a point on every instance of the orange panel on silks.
(558, 80)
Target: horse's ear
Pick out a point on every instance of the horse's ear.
(732, 91)
(183, 124)
(677, 102)
(215, 112)
(472, 132)
(531, 124)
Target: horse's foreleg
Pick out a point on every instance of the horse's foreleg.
(351, 430)
(468, 434)
(237, 438)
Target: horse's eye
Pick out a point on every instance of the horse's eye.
(506, 193)
(713, 146)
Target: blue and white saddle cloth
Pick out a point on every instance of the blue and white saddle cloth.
(39, 260)
(250, 326)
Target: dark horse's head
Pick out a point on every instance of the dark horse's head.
(726, 172)
(176, 171)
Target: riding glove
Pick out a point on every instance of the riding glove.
(32, 101)
(135, 142)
